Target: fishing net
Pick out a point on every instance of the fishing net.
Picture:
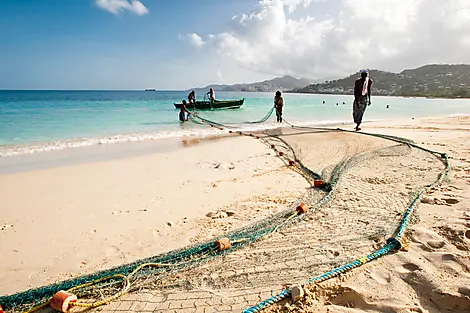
(375, 182)
(371, 183)
(198, 119)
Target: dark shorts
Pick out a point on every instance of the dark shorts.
(182, 116)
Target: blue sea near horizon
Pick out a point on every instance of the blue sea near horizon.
(50, 120)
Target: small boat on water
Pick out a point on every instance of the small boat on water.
(150, 89)
(216, 104)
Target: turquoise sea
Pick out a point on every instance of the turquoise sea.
(32, 121)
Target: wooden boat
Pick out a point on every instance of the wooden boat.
(216, 104)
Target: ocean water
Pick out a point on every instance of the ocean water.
(32, 121)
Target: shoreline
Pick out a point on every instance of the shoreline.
(202, 133)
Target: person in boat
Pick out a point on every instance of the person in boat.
(362, 91)
(192, 97)
(211, 94)
(183, 111)
(279, 104)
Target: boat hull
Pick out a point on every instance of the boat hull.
(217, 104)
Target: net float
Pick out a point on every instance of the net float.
(223, 244)
(61, 301)
(302, 208)
(318, 183)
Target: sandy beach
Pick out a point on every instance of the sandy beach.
(92, 209)
(64, 221)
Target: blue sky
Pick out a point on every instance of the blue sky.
(179, 44)
(63, 44)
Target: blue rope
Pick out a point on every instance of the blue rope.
(393, 244)
(333, 273)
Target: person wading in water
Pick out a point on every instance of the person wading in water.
(183, 111)
(362, 88)
(279, 104)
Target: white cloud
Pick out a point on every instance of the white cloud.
(219, 75)
(384, 34)
(117, 6)
(195, 40)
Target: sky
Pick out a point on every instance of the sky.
(179, 44)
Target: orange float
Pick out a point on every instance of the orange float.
(61, 301)
(281, 153)
(223, 244)
(302, 208)
(318, 183)
(1, 309)
(291, 163)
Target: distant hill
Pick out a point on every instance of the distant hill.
(278, 83)
(437, 80)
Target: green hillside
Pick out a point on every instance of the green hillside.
(437, 80)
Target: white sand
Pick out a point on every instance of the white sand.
(69, 220)
(75, 219)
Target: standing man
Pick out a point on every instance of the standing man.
(211, 94)
(362, 88)
(279, 104)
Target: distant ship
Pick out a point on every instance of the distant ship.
(150, 89)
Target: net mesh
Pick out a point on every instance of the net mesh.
(373, 181)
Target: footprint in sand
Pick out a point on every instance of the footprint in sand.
(451, 200)
(407, 268)
(436, 244)
(113, 250)
(464, 291)
(448, 257)
(380, 276)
